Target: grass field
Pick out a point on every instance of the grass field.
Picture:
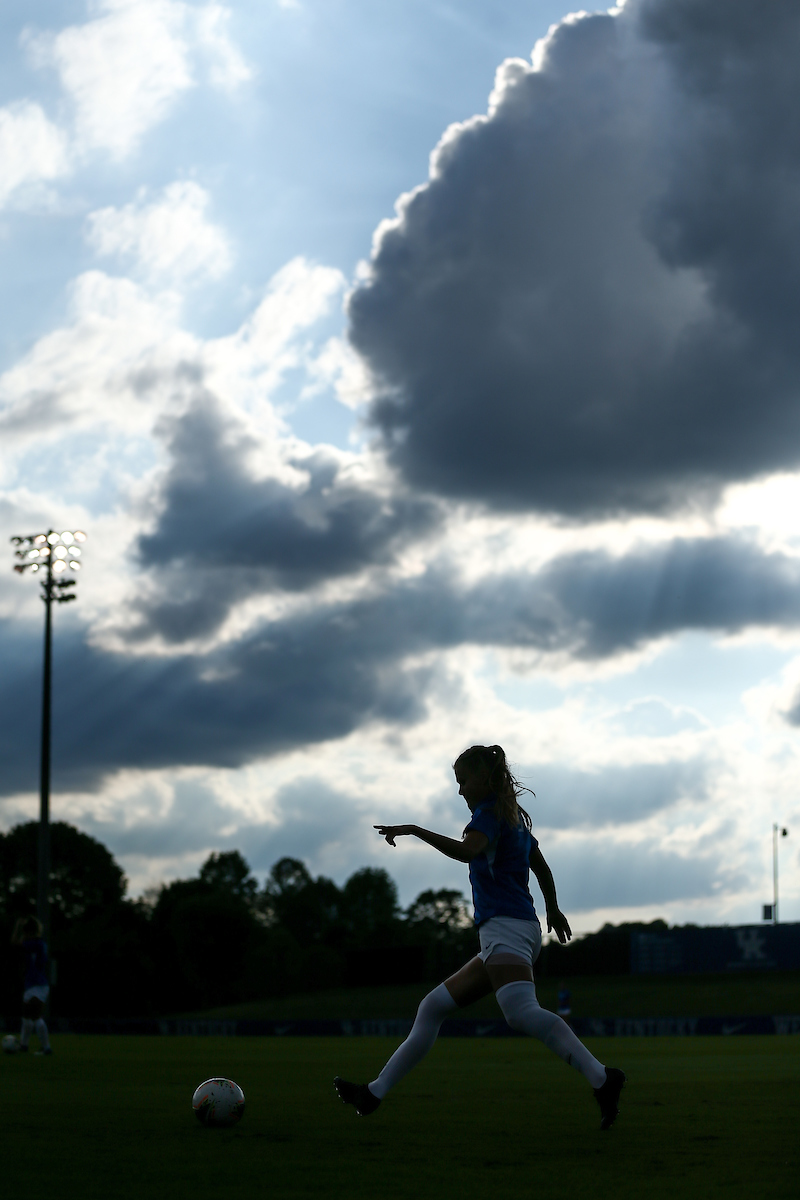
(592, 996)
(109, 1118)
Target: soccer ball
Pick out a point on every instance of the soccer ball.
(10, 1044)
(218, 1103)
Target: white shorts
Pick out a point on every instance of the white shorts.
(36, 993)
(510, 935)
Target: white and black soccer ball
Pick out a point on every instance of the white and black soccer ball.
(218, 1103)
(10, 1044)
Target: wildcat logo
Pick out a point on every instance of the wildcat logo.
(751, 944)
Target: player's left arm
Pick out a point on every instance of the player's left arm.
(471, 845)
(17, 937)
(555, 918)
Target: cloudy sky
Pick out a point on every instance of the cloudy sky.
(422, 374)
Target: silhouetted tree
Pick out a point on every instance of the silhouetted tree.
(229, 873)
(369, 908)
(98, 939)
(84, 878)
(439, 914)
(441, 922)
(309, 909)
(213, 934)
(206, 936)
(107, 967)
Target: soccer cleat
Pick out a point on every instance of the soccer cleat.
(22, 1049)
(49, 1050)
(608, 1096)
(357, 1094)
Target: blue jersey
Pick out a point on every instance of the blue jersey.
(35, 962)
(499, 876)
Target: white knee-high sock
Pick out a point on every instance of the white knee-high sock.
(522, 1011)
(42, 1034)
(27, 1030)
(430, 1014)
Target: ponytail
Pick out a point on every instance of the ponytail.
(505, 787)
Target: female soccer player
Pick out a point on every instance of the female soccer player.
(28, 934)
(499, 847)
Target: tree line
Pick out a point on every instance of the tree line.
(219, 938)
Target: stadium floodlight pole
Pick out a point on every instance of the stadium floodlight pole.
(783, 833)
(52, 554)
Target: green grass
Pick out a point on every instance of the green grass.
(592, 996)
(109, 1118)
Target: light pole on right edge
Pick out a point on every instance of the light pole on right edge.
(776, 830)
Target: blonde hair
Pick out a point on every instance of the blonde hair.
(505, 787)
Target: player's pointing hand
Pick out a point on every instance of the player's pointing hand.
(390, 832)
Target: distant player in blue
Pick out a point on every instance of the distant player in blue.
(36, 988)
(500, 849)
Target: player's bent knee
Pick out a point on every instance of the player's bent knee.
(425, 1005)
(522, 1011)
(436, 1005)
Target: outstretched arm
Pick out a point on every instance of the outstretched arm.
(471, 844)
(555, 918)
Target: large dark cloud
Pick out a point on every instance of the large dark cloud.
(715, 584)
(291, 683)
(592, 306)
(594, 605)
(319, 674)
(223, 533)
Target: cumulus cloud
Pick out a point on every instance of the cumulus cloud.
(307, 816)
(650, 716)
(188, 821)
(124, 69)
(123, 358)
(226, 531)
(591, 306)
(612, 795)
(87, 370)
(602, 873)
(32, 148)
(338, 367)
(169, 238)
(791, 710)
(266, 345)
(227, 67)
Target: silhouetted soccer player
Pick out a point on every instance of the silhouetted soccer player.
(500, 849)
(28, 934)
